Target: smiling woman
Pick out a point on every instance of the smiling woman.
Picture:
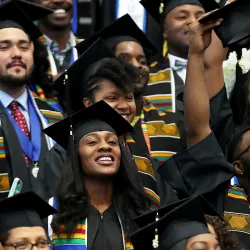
(111, 195)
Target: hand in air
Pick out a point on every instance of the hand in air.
(200, 35)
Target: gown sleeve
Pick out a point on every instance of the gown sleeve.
(55, 162)
(221, 118)
(166, 192)
(200, 169)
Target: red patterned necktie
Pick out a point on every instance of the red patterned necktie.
(21, 121)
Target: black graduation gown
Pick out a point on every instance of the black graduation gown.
(200, 169)
(104, 230)
(13, 165)
(221, 117)
(203, 169)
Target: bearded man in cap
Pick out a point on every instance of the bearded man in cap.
(22, 117)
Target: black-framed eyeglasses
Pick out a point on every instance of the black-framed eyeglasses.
(25, 245)
(242, 153)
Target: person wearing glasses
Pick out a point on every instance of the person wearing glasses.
(203, 167)
(21, 222)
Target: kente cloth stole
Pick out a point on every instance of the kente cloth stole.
(143, 164)
(159, 90)
(236, 221)
(53, 102)
(78, 240)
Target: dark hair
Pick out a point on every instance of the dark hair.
(4, 237)
(233, 149)
(40, 73)
(225, 237)
(115, 70)
(129, 197)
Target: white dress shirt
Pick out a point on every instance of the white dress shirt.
(182, 73)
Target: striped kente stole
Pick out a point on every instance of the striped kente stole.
(78, 240)
(159, 90)
(237, 211)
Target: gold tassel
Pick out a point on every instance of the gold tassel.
(165, 48)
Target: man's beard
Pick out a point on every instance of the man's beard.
(141, 89)
(15, 82)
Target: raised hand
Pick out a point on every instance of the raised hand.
(200, 35)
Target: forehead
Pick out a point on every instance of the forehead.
(189, 8)
(13, 34)
(129, 47)
(26, 232)
(108, 86)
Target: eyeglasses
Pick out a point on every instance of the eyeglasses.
(25, 245)
(242, 153)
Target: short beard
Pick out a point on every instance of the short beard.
(139, 91)
(15, 82)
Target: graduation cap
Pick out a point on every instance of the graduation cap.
(158, 9)
(13, 16)
(89, 120)
(236, 22)
(185, 220)
(98, 117)
(77, 73)
(23, 210)
(122, 30)
(32, 10)
(148, 218)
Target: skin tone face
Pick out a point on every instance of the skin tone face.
(123, 103)
(16, 53)
(211, 229)
(203, 242)
(242, 165)
(100, 154)
(133, 53)
(176, 30)
(26, 234)
(61, 18)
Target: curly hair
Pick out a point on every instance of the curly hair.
(122, 74)
(129, 197)
(226, 239)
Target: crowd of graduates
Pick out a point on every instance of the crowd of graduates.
(101, 147)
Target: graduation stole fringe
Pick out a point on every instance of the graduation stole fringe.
(78, 240)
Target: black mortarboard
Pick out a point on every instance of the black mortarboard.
(98, 117)
(12, 16)
(236, 22)
(77, 74)
(148, 218)
(158, 9)
(123, 29)
(185, 220)
(34, 11)
(23, 210)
